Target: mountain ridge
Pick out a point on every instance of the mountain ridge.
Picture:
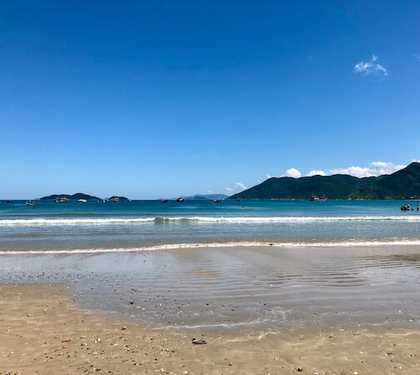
(402, 184)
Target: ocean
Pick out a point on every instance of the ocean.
(229, 265)
(144, 225)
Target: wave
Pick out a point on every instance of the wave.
(205, 245)
(73, 221)
(203, 220)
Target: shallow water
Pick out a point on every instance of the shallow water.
(239, 287)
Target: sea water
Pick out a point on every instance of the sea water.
(139, 225)
(201, 264)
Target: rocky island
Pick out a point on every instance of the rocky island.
(70, 197)
(118, 199)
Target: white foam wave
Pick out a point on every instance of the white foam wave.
(202, 220)
(204, 245)
(73, 221)
(217, 325)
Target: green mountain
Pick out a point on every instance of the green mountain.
(403, 184)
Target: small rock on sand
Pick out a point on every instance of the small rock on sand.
(198, 341)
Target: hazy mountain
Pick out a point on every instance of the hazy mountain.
(206, 197)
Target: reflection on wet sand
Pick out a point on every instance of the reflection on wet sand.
(237, 287)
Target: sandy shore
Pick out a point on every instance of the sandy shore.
(43, 331)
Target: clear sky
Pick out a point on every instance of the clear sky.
(160, 98)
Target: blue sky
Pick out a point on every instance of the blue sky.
(161, 98)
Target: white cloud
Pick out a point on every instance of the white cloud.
(383, 167)
(375, 168)
(371, 67)
(317, 172)
(354, 171)
(237, 186)
(240, 185)
(262, 179)
(293, 172)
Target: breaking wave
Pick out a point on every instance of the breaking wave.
(204, 245)
(202, 220)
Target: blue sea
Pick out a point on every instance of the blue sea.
(200, 264)
(144, 225)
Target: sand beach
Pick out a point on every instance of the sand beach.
(43, 330)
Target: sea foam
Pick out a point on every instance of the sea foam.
(210, 245)
(202, 220)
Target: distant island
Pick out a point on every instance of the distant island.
(118, 199)
(71, 197)
(211, 197)
(403, 184)
(81, 197)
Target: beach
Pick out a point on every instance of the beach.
(244, 287)
(210, 188)
(270, 288)
(44, 331)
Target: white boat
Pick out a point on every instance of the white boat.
(316, 198)
(82, 200)
(62, 200)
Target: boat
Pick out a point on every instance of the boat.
(118, 199)
(406, 207)
(62, 200)
(30, 203)
(180, 199)
(164, 200)
(316, 198)
(82, 200)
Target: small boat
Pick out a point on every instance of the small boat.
(62, 200)
(180, 199)
(316, 198)
(30, 203)
(82, 200)
(164, 200)
(405, 207)
(118, 199)
(217, 201)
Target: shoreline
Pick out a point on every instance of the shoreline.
(218, 245)
(44, 331)
(237, 289)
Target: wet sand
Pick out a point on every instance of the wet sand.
(238, 288)
(44, 331)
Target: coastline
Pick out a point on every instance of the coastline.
(245, 288)
(44, 331)
(217, 245)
